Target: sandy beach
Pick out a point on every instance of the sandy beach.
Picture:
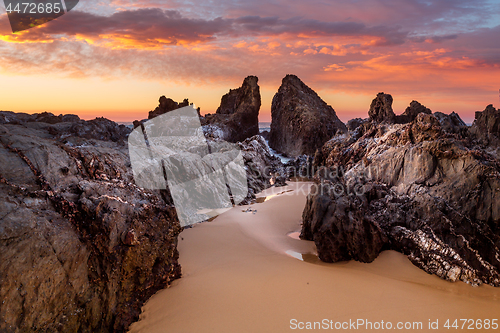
(241, 273)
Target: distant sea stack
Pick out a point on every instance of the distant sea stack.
(301, 121)
(238, 113)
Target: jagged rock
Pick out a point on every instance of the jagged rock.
(381, 109)
(339, 228)
(301, 121)
(451, 123)
(415, 188)
(301, 167)
(68, 125)
(412, 112)
(263, 168)
(238, 114)
(81, 247)
(7, 117)
(167, 105)
(265, 134)
(486, 126)
(136, 123)
(355, 123)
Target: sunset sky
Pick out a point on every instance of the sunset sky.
(115, 58)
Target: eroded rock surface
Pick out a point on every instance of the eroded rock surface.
(237, 117)
(381, 109)
(421, 188)
(301, 121)
(486, 129)
(81, 247)
(412, 112)
(263, 168)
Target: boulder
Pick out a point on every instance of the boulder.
(301, 121)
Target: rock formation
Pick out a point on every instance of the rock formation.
(238, 114)
(420, 188)
(81, 247)
(263, 168)
(412, 112)
(355, 123)
(166, 105)
(68, 125)
(486, 127)
(452, 123)
(381, 109)
(301, 121)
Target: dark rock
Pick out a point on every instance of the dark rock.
(69, 125)
(99, 129)
(238, 114)
(166, 105)
(301, 167)
(451, 123)
(381, 109)
(340, 229)
(9, 117)
(265, 134)
(46, 117)
(263, 168)
(412, 112)
(355, 123)
(136, 123)
(301, 121)
(69, 118)
(414, 188)
(81, 247)
(486, 126)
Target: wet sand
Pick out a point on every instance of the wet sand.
(241, 274)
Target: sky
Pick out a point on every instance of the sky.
(115, 58)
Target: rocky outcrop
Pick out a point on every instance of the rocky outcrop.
(381, 109)
(45, 117)
(81, 247)
(237, 117)
(62, 126)
(412, 112)
(263, 168)
(355, 123)
(300, 168)
(452, 123)
(301, 121)
(418, 188)
(166, 105)
(486, 126)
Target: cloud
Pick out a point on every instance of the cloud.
(154, 27)
(368, 45)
